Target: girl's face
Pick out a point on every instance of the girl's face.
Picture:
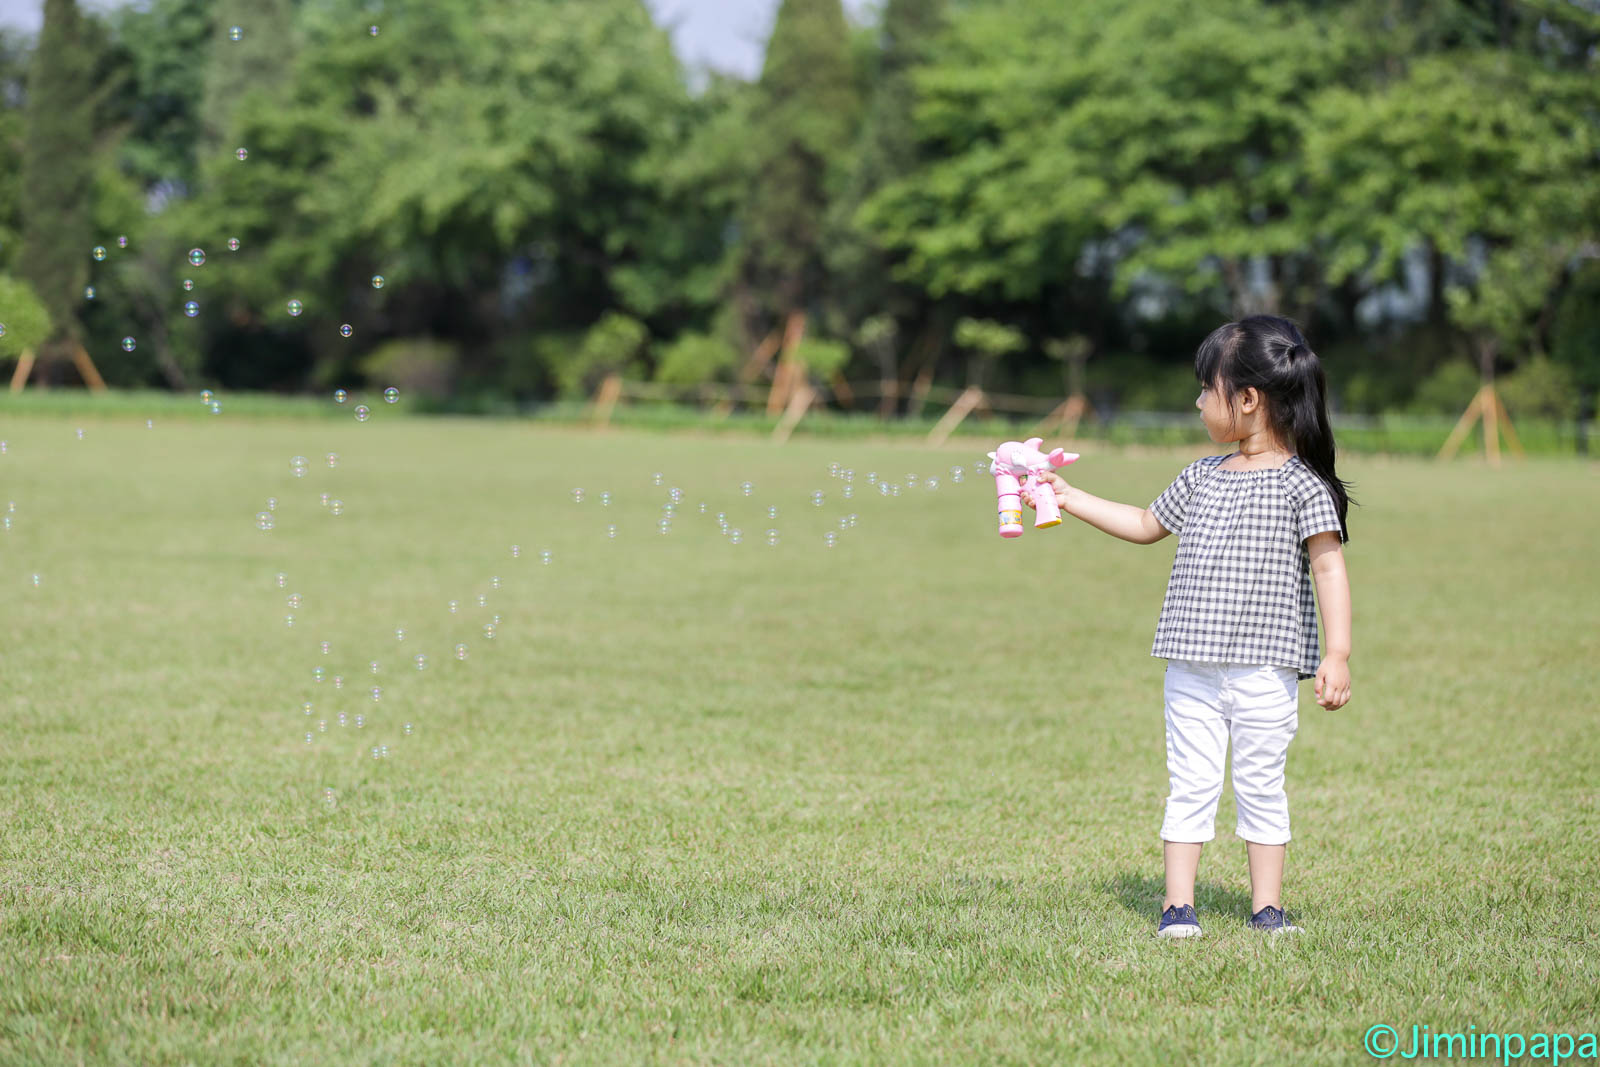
(1215, 414)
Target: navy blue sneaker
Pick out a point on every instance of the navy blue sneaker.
(1179, 921)
(1272, 920)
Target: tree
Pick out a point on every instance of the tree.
(58, 169)
(803, 121)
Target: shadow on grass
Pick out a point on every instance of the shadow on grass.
(1142, 895)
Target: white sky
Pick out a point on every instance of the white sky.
(726, 34)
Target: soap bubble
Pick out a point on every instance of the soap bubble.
(243, 154)
(333, 459)
(345, 330)
(932, 483)
(611, 532)
(263, 520)
(577, 496)
(656, 478)
(747, 488)
(830, 538)
(363, 413)
(80, 433)
(234, 33)
(516, 551)
(325, 498)
(36, 580)
(544, 557)
(272, 503)
(772, 537)
(336, 506)
(233, 244)
(322, 726)
(399, 634)
(197, 256)
(483, 601)
(343, 721)
(852, 518)
(99, 252)
(361, 720)
(734, 536)
(188, 285)
(461, 652)
(288, 620)
(390, 395)
(455, 607)
(191, 308)
(306, 707)
(372, 31)
(675, 494)
(122, 242)
(308, 737)
(216, 408)
(298, 466)
(340, 396)
(980, 467)
(338, 681)
(488, 631)
(605, 500)
(325, 646)
(664, 527)
(88, 292)
(421, 661)
(772, 511)
(377, 281)
(373, 666)
(294, 602)
(319, 674)
(129, 344)
(408, 729)
(377, 693)
(283, 579)
(494, 581)
(816, 499)
(295, 308)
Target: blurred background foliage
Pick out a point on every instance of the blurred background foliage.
(1001, 192)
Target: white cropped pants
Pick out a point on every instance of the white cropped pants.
(1207, 703)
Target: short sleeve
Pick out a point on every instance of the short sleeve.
(1173, 504)
(1317, 512)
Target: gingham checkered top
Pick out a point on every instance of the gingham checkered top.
(1240, 589)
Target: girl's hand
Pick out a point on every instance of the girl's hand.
(1057, 484)
(1333, 682)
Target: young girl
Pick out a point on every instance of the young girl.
(1238, 627)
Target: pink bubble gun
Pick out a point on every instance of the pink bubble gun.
(1022, 459)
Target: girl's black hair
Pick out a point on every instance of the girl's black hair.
(1269, 354)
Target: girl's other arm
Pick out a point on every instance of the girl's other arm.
(1118, 520)
(1333, 596)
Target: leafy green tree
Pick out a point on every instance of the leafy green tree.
(58, 167)
(802, 124)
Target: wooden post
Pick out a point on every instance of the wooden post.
(1066, 416)
(970, 397)
(1486, 406)
(605, 398)
(790, 371)
(799, 403)
(86, 369)
(24, 368)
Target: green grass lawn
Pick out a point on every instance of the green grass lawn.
(897, 800)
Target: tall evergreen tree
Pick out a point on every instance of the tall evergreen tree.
(805, 119)
(58, 168)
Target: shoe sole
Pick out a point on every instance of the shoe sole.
(1278, 929)
(1182, 930)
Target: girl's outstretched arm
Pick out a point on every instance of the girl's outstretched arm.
(1119, 520)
